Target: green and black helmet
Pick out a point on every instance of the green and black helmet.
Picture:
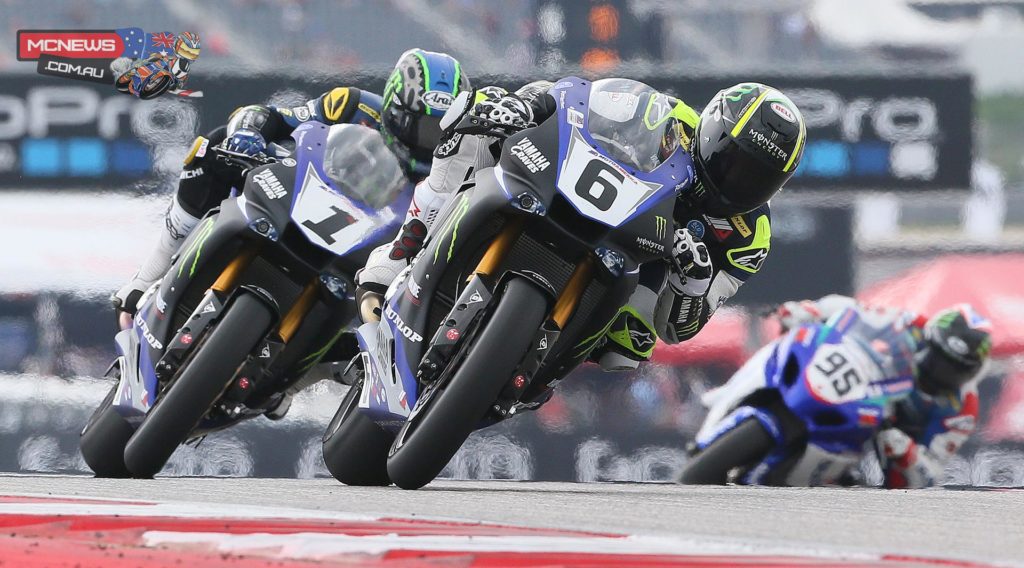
(958, 342)
(747, 145)
(418, 92)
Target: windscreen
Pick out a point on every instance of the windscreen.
(885, 340)
(633, 123)
(361, 166)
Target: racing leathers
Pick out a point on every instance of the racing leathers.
(205, 181)
(673, 301)
(926, 429)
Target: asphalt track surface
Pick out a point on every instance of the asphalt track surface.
(973, 525)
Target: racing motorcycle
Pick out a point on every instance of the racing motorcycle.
(800, 412)
(256, 296)
(520, 280)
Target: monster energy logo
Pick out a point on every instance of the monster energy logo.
(196, 247)
(452, 225)
(660, 226)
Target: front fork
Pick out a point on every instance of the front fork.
(209, 310)
(475, 299)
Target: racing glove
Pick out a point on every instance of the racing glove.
(691, 266)
(246, 141)
(491, 111)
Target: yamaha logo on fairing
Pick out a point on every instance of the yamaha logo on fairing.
(530, 156)
(407, 331)
(439, 100)
(270, 185)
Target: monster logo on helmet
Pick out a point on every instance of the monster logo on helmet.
(747, 144)
(418, 92)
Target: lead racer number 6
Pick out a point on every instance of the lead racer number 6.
(599, 184)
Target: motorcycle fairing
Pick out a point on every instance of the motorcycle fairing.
(522, 187)
(838, 422)
(325, 215)
(258, 215)
(577, 149)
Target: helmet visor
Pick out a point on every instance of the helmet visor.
(417, 132)
(741, 181)
(938, 369)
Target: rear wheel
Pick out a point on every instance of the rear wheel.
(449, 414)
(190, 397)
(355, 448)
(746, 444)
(104, 438)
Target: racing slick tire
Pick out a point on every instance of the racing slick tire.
(200, 384)
(433, 434)
(104, 437)
(355, 448)
(746, 444)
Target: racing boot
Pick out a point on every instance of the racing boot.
(631, 337)
(178, 223)
(384, 265)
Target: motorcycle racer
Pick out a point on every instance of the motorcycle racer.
(418, 92)
(746, 144)
(928, 427)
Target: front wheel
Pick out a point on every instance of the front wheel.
(746, 444)
(432, 434)
(104, 438)
(355, 448)
(190, 397)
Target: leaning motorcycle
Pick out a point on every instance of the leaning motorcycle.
(521, 278)
(801, 411)
(255, 297)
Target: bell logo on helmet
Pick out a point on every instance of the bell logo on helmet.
(781, 110)
(438, 100)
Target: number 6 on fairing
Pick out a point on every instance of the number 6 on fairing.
(598, 189)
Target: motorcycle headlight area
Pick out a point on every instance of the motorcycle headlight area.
(264, 228)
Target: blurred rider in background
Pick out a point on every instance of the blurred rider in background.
(418, 92)
(927, 428)
(745, 145)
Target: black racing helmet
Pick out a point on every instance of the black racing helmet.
(747, 145)
(418, 92)
(957, 343)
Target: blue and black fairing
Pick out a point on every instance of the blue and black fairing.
(261, 215)
(835, 427)
(526, 184)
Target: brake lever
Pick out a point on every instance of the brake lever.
(244, 161)
(483, 127)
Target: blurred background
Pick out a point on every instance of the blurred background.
(911, 193)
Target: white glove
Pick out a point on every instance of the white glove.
(691, 271)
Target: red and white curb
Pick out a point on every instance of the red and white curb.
(38, 531)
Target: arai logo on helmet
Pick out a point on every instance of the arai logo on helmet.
(439, 100)
(781, 110)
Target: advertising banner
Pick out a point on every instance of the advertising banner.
(868, 132)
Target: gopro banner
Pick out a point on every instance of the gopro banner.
(868, 132)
